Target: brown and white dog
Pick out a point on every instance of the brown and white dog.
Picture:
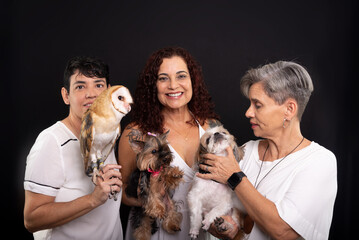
(209, 199)
(152, 183)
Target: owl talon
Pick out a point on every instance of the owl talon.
(100, 164)
(112, 194)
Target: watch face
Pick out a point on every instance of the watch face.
(235, 179)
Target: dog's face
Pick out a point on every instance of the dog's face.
(216, 139)
(153, 153)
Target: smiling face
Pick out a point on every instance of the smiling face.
(83, 92)
(174, 86)
(265, 115)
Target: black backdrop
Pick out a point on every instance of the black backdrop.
(226, 37)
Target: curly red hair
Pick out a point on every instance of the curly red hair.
(146, 111)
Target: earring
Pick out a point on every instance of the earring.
(285, 121)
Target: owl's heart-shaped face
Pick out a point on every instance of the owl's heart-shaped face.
(122, 100)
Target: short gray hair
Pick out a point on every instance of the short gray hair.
(281, 80)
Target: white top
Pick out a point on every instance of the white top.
(55, 168)
(303, 187)
(180, 196)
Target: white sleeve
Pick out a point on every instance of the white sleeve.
(308, 204)
(249, 148)
(44, 167)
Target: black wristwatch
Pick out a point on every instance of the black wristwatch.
(235, 179)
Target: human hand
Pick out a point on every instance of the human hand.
(109, 182)
(220, 168)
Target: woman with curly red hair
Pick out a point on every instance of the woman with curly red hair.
(170, 95)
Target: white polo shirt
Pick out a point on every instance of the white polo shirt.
(303, 187)
(55, 168)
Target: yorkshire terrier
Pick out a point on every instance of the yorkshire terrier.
(210, 199)
(152, 182)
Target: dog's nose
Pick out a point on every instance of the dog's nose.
(217, 136)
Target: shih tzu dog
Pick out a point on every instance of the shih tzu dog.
(208, 199)
(152, 183)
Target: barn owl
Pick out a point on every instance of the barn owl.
(101, 127)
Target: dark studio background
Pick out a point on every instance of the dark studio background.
(226, 37)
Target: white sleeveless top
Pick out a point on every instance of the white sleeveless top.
(180, 196)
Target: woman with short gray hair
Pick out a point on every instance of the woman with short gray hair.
(286, 183)
(281, 81)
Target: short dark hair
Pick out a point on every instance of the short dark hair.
(87, 66)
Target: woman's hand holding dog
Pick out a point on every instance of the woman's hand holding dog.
(230, 233)
(109, 181)
(220, 168)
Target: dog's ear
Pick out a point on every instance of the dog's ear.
(214, 123)
(202, 150)
(163, 136)
(238, 152)
(136, 145)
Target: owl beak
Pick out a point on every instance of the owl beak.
(128, 108)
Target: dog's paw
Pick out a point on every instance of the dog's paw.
(178, 175)
(206, 224)
(175, 229)
(176, 172)
(220, 224)
(193, 234)
(172, 222)
(159, 211)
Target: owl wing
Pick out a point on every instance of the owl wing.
(107, 150)
(86, 138)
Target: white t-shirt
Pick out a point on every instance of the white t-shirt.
(303, 187)
(55, 168)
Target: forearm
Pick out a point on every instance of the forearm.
(50, 215)
(130, 201)
(263, 212)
